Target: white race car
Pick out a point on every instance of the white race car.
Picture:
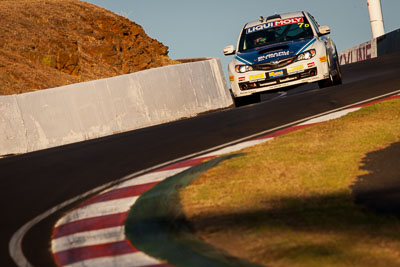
(281, 51)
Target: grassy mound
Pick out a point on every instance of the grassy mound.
(289, 202)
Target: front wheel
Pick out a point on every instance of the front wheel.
(326, 83)
(246, 100)
(338, 77)
(332, 80)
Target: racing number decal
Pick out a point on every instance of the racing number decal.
(305, 25)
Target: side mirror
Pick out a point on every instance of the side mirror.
(324, 30)
(229, 50)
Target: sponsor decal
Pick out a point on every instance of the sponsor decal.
(295, 69)
(274, 24)
(257, 77)
(241, 79)
(288, 21)
(305, 25)
(322, 59)
(260, 27)
(274, 74)
(311, 64)
(273, 55)
(231, 78)
(362, 52)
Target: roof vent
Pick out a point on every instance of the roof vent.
(274, 17)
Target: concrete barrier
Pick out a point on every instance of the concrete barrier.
(12, 128)
(385, 44)
(388, 43)
(77, 112)
(357, 53)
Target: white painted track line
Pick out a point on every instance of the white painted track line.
(330, 116)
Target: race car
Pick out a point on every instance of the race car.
(281, 51)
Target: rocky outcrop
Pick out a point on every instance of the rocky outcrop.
(49, 43)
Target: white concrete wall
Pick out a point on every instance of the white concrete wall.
(359, 52)
(83, 111)
(12, 129)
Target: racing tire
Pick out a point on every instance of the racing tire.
(326, 82)
(338, 77)
(332, 80)
(246, 100)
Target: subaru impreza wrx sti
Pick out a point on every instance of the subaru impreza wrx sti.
(283, 50)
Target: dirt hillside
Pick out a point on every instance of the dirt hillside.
(49, 43)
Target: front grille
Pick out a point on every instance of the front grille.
(269, 66)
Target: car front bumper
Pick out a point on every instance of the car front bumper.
(294, 74)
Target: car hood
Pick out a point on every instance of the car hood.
(274, 52)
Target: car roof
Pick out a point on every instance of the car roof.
(283, 16)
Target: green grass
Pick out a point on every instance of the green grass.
(288, 202)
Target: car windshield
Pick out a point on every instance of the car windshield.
(271, 33)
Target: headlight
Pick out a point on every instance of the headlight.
(243, 68)
(306, 55)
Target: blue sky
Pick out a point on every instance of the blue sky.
(203, 28)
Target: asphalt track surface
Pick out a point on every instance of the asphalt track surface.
(35, 182)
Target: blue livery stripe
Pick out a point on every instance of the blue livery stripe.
(306, 46)
(243, 60)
